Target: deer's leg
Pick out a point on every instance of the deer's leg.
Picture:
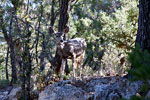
(73, 65)
(78, 62)
(63, 68)
(81, 63)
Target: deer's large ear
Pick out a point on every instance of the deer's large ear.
(66, 30)
(51, 30)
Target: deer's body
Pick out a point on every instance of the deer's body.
(70, 49)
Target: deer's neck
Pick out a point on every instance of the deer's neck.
(60, 46)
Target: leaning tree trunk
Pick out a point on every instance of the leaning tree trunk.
(143, 35)
(63, 21)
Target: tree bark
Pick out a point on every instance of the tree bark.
(10, 43)
(143, 34)
(64, 16)
(63, 21)
(28, 64)
(13, 63)
(12, 55)
(7, 63)
(28, 72)
(52, 13)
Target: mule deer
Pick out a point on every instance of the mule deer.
(70, 49)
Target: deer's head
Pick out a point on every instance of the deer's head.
(59, 36)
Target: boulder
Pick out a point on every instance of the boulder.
(10, 93)
(115, 91)
(62, 91)
(148, 95)
(4, 93)
(14, 93)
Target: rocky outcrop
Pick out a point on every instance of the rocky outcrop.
(10, 93)
(123, 89)
(108, 88)
(14, 94)
(63, 91)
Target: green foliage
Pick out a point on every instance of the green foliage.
(2, 62)
(120, 27)
(144, 87)
(106, 25)
(66, 77)
(4, 83)
(85, 21)
(140, 60)
(135, 98)
(17, 3)
(21, 98)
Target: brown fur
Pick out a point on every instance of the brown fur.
(71, 49)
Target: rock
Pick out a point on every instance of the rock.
(4, 93)
(3, 97)
(101, 92)
(117, 90)
(90, 86)
(14, 93)
(148, 95)
(130, 89)
(59, 91)
(90, 96)
(113, 96)
(105, 92)
(107, 88)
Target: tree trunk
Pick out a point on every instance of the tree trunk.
(52, 13)
(28, 72)
(12, 54)
(63, 21)
(13, 63)
(10, 43)
(22, 76)
(143, 35)
(64, 16)
(7, 63)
